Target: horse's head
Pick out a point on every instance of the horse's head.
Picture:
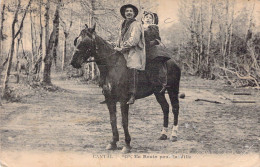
(84, 47)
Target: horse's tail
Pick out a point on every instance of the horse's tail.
(173, 76)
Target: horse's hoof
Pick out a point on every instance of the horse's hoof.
(103, 102)
(163, 137)
(173, 138)
(111, 146)
(126, 149)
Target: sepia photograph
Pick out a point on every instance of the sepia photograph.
(129, 83)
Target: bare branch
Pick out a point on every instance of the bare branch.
(21, 25)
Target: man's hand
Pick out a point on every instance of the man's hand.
(153, 43)
(125, 49)
(118, 49)
(125, 43)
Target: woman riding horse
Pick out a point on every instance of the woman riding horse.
(155, 58)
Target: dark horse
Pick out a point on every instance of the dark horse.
(113, 72)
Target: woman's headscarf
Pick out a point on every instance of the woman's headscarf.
(154, 16)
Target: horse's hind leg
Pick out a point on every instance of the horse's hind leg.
(160, 97)
(124, 112)
(112, 112)
(175, 109)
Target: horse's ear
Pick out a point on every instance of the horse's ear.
(75, 41)
(93, 28)
(86, 26)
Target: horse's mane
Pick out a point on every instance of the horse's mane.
(101, 41)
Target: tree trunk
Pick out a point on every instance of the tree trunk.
(1, 28)
(195, 37)
(250, 22)
(33, 40)
(47, 60)
(14, 35)
(9, 64)
(231, 31)
(17, 59)
(10, 57)
(1, 39)
(222, 40)
(38, 64)
(64, 51)
(226, 35)
(201, 53)
(52, 44)
(66, 35)
(212, 7)
(89, 66)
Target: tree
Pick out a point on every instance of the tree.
(14, 36)
(2, 27)
(66, 32)
(212, 8)
(38, 63)
(33, 36)
(51, 43)
(1, 37)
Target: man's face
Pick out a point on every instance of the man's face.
(129, 13)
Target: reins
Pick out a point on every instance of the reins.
(96, 52)
(95, 60)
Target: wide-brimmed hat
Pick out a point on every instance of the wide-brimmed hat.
(123, 8)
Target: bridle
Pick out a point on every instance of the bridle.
(94, 46)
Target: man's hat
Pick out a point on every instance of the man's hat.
(123, 8)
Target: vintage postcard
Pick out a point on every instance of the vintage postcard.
(161, 83)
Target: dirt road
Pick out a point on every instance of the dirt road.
(72, 119)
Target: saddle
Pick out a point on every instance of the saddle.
(157, 53)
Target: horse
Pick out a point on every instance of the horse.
(113, 72)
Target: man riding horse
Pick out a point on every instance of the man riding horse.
(138, 51)
(132, 44)
(115, 64)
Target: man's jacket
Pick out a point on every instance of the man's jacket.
(134, 41)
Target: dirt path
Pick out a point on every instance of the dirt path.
(73, 120)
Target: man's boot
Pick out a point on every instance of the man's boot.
(133, 79)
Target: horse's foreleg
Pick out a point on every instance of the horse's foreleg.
(112, 112)
(160, 97)
(175, 109)
(124, 112)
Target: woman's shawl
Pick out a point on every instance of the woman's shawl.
(154, 52)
